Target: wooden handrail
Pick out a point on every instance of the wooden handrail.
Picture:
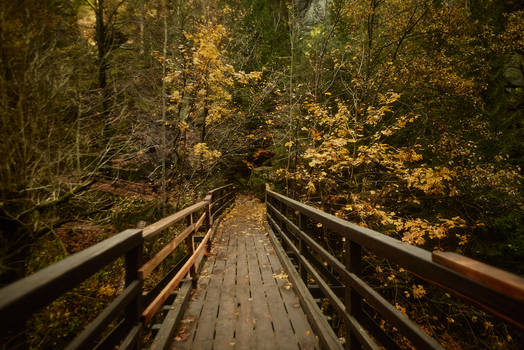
(493, 277)
(219, 189)
(162, 224)
(495, 290)
(154, 229)
(19, 300)
(155, 305)
(149, 266)
(22, 298)
(414, 259)
(388, 311)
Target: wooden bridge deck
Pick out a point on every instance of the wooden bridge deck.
(244, 299)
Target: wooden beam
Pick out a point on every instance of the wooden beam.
(351, 321)
(407, 327)
(157, 303)
(200, 221)
(219, 188)
(86, 339)
(22, 298)
(153, 229)
(319, 323)
(417, 260)
(493, 277)
(165, 334)
(149, 266)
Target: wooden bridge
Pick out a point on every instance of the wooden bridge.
(256, 279)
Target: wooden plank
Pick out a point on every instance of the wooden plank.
(226, 319)
(284, 333)
(200, 221)
(305, 336)
(356, 329)
(264, 334)
(153, 229)
(149, 266)
(115, 336)
(222, 207)
(204, 334)
(493, 277)
(220, 188)
(155, 305)
(189, 323)
(187, 331)
(244, 327)
(148, 297)
(87, 337)
(165, 334)
(20, 299)
(131, 341)
(327, 337)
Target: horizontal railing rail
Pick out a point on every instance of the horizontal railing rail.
(496, 291)
(21, 299)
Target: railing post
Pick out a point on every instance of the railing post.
(207, 221)
(133, 312)
(301, 247)
(191, 248)
(353, 300)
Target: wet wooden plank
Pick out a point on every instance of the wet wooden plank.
(279, 316)
(264, 334)
(301, 326)
(205, 330)
(167, 330)
(244, 327)
(157, 227)
(188, 325)
(225, 327)
(157, 303)
(327, 337)
(149, 266)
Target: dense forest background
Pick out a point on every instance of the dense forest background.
(405, 116)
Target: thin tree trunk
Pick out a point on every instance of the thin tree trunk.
(103, 49)
(164, 120)
(291, 72)
(370, 24)
(142, 27)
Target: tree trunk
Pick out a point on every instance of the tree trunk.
(164, 150)
(103, 49)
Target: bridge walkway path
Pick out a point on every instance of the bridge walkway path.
(243, 299)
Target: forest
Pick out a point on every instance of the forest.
(404, 116)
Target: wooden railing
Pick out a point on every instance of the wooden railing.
(21, 299)
(341, 280)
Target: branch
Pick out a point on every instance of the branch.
(62, 199)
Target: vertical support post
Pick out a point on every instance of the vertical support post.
(191, 248)
(301, 247)
(353, 300)
(207, 221)
(133, 312)
(282, 211)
